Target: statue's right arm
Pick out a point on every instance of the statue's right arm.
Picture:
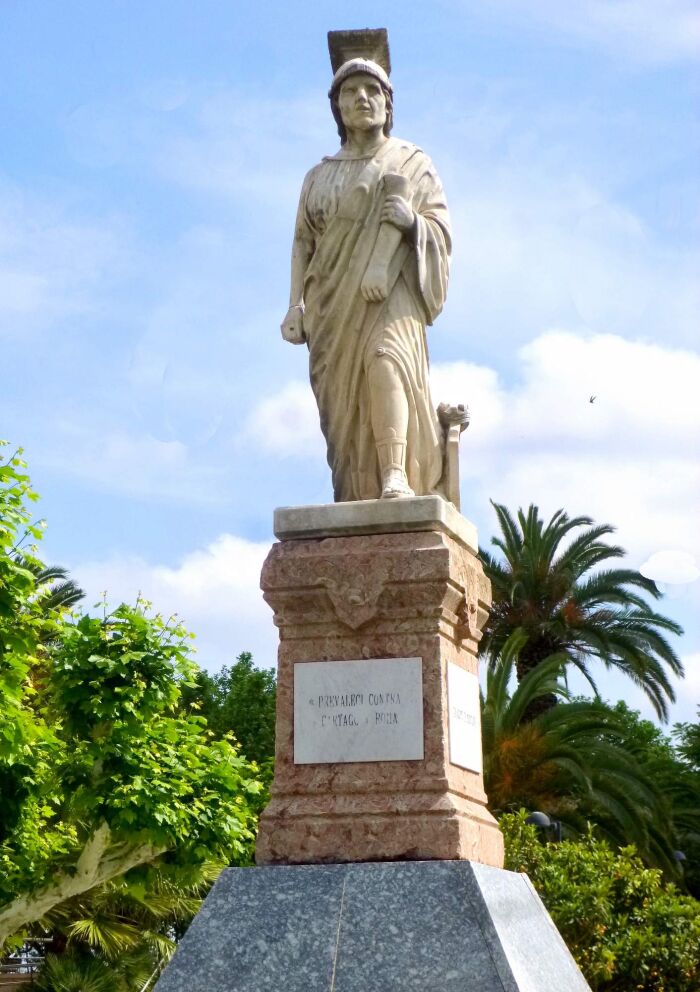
(293, 323)
(302, 251)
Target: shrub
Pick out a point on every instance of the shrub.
(627, 930)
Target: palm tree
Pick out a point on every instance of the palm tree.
(124, 931)
(551, 586)
(54, 590)
(74, 973)
(569, 761)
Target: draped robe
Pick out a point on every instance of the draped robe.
(338, 221)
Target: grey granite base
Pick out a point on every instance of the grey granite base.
(375, 516)
(452, 926)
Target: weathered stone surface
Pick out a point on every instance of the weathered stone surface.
(375, 516)
(370, 263)
(401, 927)
(411, 595)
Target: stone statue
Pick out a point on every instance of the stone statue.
(369, 272)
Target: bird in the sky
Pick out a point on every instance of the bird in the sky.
(591, 399)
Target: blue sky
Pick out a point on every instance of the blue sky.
(151, 160)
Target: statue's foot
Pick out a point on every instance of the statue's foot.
(395, 484)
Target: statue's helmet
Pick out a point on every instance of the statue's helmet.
(355, 66)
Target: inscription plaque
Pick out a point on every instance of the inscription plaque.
(368, 710)
(464, 718)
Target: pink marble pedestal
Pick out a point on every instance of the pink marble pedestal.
(412, 594)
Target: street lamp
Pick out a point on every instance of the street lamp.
(541, 820)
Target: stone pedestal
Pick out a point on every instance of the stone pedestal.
(401, 580)
(438, 926)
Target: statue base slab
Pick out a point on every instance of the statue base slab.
(375, 516)
(418, 596)
(417, 927)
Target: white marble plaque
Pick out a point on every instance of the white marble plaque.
(464, 718)
(369, 710)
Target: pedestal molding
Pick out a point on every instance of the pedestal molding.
(421, 594)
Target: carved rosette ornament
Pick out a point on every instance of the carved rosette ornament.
(355, 598)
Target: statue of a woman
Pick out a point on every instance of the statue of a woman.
(369, 273)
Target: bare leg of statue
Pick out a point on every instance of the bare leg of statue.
(389, 412)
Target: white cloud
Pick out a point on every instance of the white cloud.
(53, 264)
(674, 567)
(644, 31)
(215, 592)
(127, 463)
(287, 423)
(229, 142)
(537, 244)
(628, 458)
(687, 706)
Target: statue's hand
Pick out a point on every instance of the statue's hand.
(374, 286)
(398, 212)
(292, 326)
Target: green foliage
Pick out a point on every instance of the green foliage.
(18, 623)
(130, 923)
(27, 743)
(76, 973)
(672, 765)
(121, 756)
(551, 586)
(55, 590)
(628, 931)
(688, 746)
(239, 700)
(572, 761)
(100, 769)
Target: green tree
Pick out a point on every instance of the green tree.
(128, 925)
(99, 769)
(55, 591)
(627, 930)
(22, 627)
(571, 761)
(688, 737)
(75, 972)
(117, 778)
(239, 700)
(668, 762)
(686, 800)
(552, 585)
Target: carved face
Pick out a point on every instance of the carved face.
(362, 102)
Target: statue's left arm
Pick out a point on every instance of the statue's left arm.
(431, 236)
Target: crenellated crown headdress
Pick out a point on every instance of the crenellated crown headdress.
(366, 50)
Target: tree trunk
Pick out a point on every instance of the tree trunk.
(98, 863)
(534, 652)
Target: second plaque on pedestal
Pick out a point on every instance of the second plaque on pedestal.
(365, 710)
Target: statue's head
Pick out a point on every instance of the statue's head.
(361, 95)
